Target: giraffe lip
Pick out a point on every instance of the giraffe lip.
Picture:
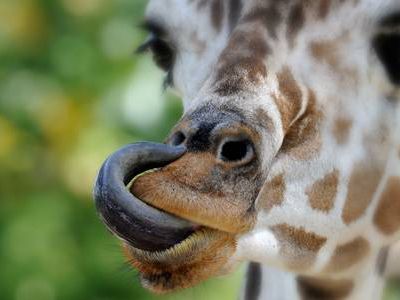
(137, 223)
(180, 246)
(189, 239)
(185, 248)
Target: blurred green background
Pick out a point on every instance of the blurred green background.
(71, 92)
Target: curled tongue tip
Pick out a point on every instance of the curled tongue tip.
(142, 226)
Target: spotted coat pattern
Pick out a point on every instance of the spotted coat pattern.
(314, 86)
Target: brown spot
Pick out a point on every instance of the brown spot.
(303, 139)
(200, 3)
(381, 261)
(217, 14)
(341, 130)
(328, 52)
(290, 100)
(320, 288)
(235, 10)
(241, 41)
(297, 246)
(348, 255)
(270, 17)
(272, 193)
(233, 81)
(295, 22)
(324, 7)
(241, 62)
(387, 214)
(363, 183)
(323, 192)
(325, 51)
(367, 174)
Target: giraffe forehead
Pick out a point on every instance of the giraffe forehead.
(217, 13)
(234, 39)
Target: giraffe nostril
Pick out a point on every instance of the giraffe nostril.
(178, 138)
(236, 151)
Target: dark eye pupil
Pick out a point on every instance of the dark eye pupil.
(163, 55)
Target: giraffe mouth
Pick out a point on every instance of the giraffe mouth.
(176, 230)
(142, 226)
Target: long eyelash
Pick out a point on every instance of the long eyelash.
(145, 46)
(168, 81)
(156, 40)
(152, 27)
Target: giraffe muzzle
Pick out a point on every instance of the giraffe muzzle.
(142, 226)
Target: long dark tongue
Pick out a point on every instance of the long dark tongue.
(141, 225)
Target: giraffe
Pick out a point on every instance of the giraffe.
(287, 155)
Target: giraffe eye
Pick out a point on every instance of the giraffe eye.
(163, 53)
(387, 46)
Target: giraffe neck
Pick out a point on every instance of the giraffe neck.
(264, 282)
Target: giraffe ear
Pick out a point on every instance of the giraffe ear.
(387, 46)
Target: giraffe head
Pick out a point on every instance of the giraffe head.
(290, 128)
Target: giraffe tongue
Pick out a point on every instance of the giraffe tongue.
(137, 223)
